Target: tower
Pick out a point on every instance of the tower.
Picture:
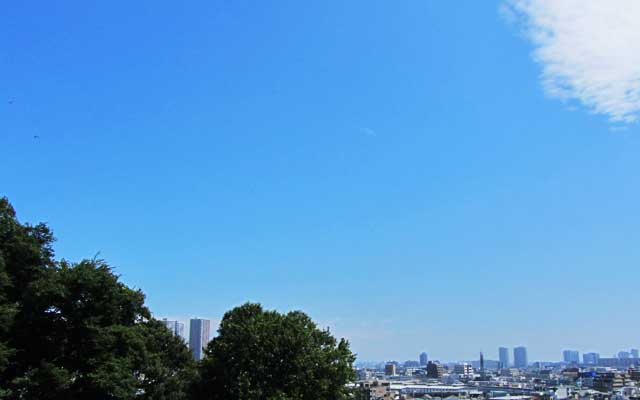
(520, 359)
(176, 327)
(199, 334)
(503, 354)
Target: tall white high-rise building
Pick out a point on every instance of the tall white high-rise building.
(520, 359)
(424, 359)
(199, 334)
(591, 358)
(171, 325)
(176, 327)
(571, 356)
(180, 329)
(503, 357)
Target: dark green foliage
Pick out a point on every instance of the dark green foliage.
(73, 331)
(265, 355)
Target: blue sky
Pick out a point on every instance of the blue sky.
(402, 171)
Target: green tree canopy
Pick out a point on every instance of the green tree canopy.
(74, 331)
(265, 355)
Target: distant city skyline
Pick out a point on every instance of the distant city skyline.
(489, 355)
(531, 357)
(503, 356)
(538, 355)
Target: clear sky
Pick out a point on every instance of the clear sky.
(406, 172)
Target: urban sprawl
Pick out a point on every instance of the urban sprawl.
(589, 377)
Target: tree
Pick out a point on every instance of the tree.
(26, 258)
(265, 355)
(74, 331)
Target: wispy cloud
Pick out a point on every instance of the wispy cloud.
(589, 51)
(368, 131)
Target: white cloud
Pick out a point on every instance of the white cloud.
(368, 131)
(589, 51)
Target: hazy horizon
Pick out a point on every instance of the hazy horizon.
(442, 354)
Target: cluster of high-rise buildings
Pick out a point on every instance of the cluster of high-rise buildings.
(622, 358)
(520, 358)
(199, 334)
(590, 378)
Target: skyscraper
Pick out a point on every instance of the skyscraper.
(199, 334)
(591, 358)
(176, 327)
(571, 356)
(171, 325)
(624, 354)
(503, 355)
(179, 329)
(635, 353)
(424, 359)
(520, 357)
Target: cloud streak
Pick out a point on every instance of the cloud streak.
(589, 51)
(368, 131)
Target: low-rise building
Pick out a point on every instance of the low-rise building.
(609, 381)
(390, 369)
(377, 390)
(463, 369)
(435, 370)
